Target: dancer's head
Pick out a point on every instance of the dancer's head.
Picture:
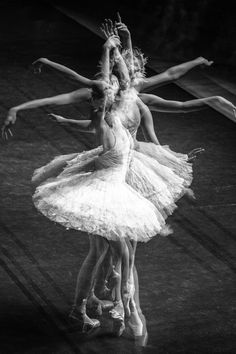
(137, 67)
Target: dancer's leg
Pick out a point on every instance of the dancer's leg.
(83, 284)
(133, 310)
(136, 286)
(120, 256)
(102, 247)
(82, 290)
(128, 283)
(100, 288)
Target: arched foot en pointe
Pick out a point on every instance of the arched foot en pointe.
(117, 314)
(79, 315)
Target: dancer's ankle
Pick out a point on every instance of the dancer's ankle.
(77, 309)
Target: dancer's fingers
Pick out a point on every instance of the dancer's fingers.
(119, 17)
(196, 150)
(10, 132)
(104, 32)
(108, 30)
(110, 24)
(107, 27)
(234, 110)
(52, 116)
(122, 27)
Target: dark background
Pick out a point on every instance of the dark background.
(172, 30)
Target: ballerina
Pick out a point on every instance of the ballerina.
(99, 201)
(126, 107)
(97, 247)
(11, 118)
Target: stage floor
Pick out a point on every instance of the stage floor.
(187, 280)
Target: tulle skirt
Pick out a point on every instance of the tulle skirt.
(100, 203)
(177, 162)
(72, 192)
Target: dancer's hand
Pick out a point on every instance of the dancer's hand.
(205, 62)
(234, 111)
(193, 153)
(56, 118)
(9, 121)
(121, 27)
(108, 28)
(38, 64)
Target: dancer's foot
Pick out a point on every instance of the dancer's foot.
(80, 316)
(142, 341)
(134, 325)
(99, 305)
(117, 313)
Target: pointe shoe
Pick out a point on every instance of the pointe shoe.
(80, 316)
(117, 314)
(134, 326)
(140, 340)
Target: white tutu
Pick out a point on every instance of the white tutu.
(91, 195)
(87, 191)
(177, 162)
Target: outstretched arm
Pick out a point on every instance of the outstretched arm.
(158, 104)
(64, 99)
(62, 68)
(95, 84)
(171, 74)
(84, 125)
